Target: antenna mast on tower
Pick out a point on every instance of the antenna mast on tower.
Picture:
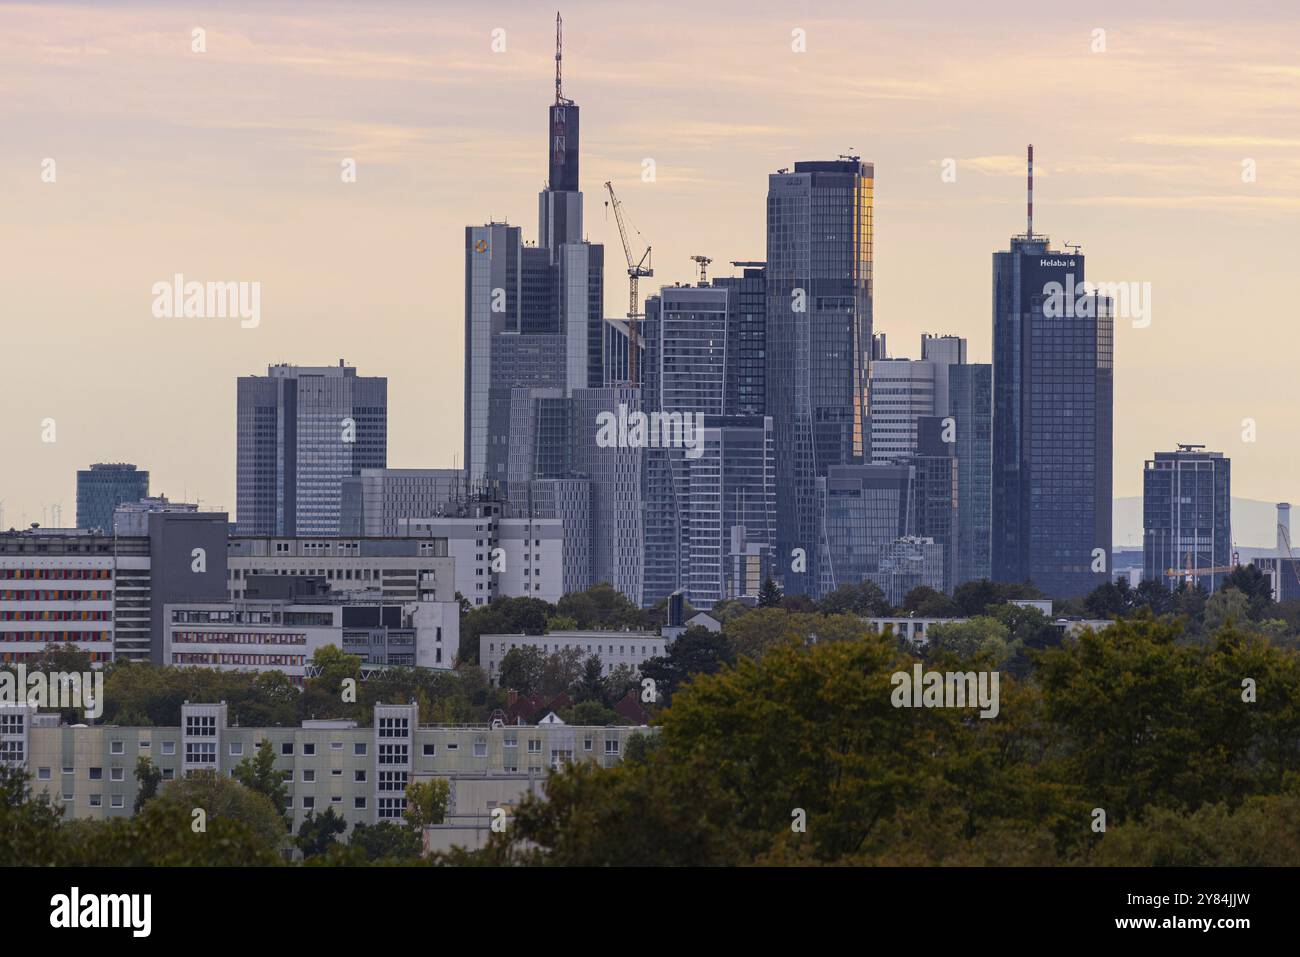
(1029, 226)
(559, 56)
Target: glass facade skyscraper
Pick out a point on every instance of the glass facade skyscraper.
(1053, 367)
(300, 431)
(1186, 516)
(970, 397)
(103, 487)
(819, 327)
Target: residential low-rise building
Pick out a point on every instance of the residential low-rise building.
(360, 772)
(613, 648)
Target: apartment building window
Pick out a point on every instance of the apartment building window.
(97, 800)
(42, 774)
(144, 744)
(11, 723)
(308, 803)
(117, 747)
(392, 780)
(286, 775)
(534, 745)
(336, 745)
(586, 743)
(393, 754)
(201, 752)
(308, 777)
(391, 808)
(480, 749)
(201, 726)
(359, 748)
(359, 777)
(169, 774)
(430, 750)
(336, 772)
(169, 747)
(236, 748)
(116, 774)
(510, 741)
(286, 748)
(394, 727)
(309, 749)
(96, 774)
(116, 801)
(359, 803)
(68, 770)
(611, 745)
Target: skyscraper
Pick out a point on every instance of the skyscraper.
(819, 327)
(300, 431)
(902, 391)
(1053, 357)
(1186, 516)
(970, 403)
(103, 487)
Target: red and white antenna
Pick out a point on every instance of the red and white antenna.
(1029, 229)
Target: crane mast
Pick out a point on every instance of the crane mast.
(636, 268)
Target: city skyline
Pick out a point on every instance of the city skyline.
(376, 274)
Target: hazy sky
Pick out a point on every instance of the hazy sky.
(225, 166)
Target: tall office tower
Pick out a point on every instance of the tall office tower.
(103, 487)
(618, 347)
(819, 296)
(970, 401)
(902, 390)
(1186, 517)
(569, 500)
(746, 391)
(943, 353)
(300, 431)
(533, 314)
(1053, 369)
(709, 516)
(376, 501)
(867, 507)
(614, 472)
(937, 473)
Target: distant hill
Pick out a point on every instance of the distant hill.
(1254, 523)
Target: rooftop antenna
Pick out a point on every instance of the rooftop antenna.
(1029, 227)
(559, 55)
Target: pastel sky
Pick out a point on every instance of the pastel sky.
(225, 166)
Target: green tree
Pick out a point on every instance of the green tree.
(386, 842)
(147, 778)
(317, 833)
(522, 670)
(224, 799)
(769, 596)
(591, 685)
(695, 651)
(257, 773)
(426, 803)
(926, 602)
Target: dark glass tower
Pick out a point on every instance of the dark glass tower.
(819, 291)
(103, 487)
(970, 398)
(1186, 516)
(1052, 421)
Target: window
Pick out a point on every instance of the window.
(611, 745)
(359, 803)
(116, 801)
(169, 747)
(117, 774)
(394, 727)
(392, 754)
(534, 746)
(510, 741)
(169, 774)
(309, 749)
(200, 725)
(480, 749)
(430, 750)
(97, 800)
(42, 774)
(96, 774)
(308, 777)
(286, 775)
(117, 747)
(586, 743)
(308, 803)
(67, 770)
(336, 745)
(201, 752)
(391, 808)
(236, 748)
(392, 780)
(359, 777)
(286, 748)
(359, 748)
(336, 772)
(144, 744)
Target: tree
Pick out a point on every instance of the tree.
(257, 773)
(147, 777)
(426, 803)
(695, 651)
(601, 606)
(386, 842)
(769, 596)
(983, 636)
(974, 597)
(1226, 606)
(223, 798)
(591, 685)
(591, 712)
(1110, 599)
(560, 671)
(29, 826)
(316, 834)
(863, 599)
(522, 670)
(1254, 584)
(927, 602)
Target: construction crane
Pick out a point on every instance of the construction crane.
(636, 268)
(703, 263)
(1190, 574)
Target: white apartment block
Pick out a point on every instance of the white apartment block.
(613, 648)
(497, 556)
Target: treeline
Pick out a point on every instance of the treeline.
(1134, 745)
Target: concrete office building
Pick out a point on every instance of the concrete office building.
(284, 633)
(910, 562)
(936, 472)
(902, 390)
(866, 507)
(944, 353)
(1187, 517)
(301, 431)
(615, 649)
(819, 328)
(376, 501)
(970, 390)
(360, 772)
(103, 487)
(1053, 371)
(104, 593)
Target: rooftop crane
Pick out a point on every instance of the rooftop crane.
(636, 268)
(703, 263)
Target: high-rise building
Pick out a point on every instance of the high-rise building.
(302, 430)
(1186, 516)
(1053, 367)
(376, 501)
(902, 391)
(103, 487)
(866, 508)
(819, 329)
(533, 314)
(942, 352)
(746, 392)
(970, 391)
(936, 473)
